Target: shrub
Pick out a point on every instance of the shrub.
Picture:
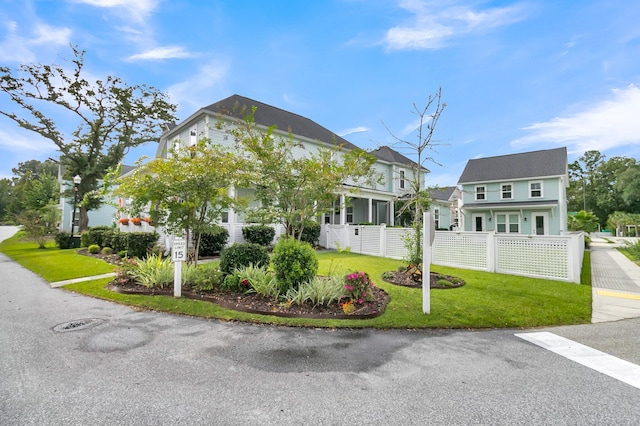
(234, 283)
(141, 243)
(107, 251)
(119, 241)
(239, 255)
(311, 233)
(154, 272)
(294, 263)
(260, 280)
(200, 278)
(99, 235)
(259, 234)
(125, 273)
(63, 240)
(93, 249)
(122, 254)
(213, 242)
(358, 286)
(319, 291)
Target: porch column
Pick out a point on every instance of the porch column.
(370, 219)
(392, 216)
(343, 209)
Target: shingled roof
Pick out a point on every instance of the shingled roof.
(389, 155)
(266, 115)
(442, 194)
(551, 162)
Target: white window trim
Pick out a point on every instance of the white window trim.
(502, 191)
(484, 193)
(402, 179)
(507, 223)
(541, 188)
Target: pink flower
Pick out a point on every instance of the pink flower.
(360, 301)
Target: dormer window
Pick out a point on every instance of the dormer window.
(481, 193)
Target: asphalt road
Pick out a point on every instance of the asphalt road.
(147, 368)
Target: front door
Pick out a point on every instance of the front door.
(540, 224)
(478, 223)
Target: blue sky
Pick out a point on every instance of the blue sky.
(516, 75)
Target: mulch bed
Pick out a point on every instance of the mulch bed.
(258, 304)
(406, 280)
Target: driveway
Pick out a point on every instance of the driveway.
(74, 360)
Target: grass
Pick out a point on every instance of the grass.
(486, 301)
(585, 272)
(51, 263)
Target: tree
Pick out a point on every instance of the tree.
(428, 119)
(293, 189)
(583, 221)
(628, 185)
(112, 117)
(186, 192)
(40, 225)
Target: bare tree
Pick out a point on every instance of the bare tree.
(419, 199)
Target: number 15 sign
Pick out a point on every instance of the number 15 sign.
(179, 250)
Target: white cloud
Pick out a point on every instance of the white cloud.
(27, 143)
(136, 10)
(161, 53)
(607, 124)
(433, 23)
(17, 47)
(196, 92)
(353, 130)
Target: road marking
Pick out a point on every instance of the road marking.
(618, 294)
(604, 363)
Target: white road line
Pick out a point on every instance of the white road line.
(604, 363)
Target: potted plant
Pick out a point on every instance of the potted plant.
(124, 221)
(136, 221)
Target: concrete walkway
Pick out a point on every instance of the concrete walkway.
(615, 282)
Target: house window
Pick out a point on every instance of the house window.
(480, 193)
(535, 189)
(508, 223)
(436, 217)
(350, 214)
(506, 191)
(401, 179)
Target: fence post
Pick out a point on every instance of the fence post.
(345, 236)
(492, 259)
(383, 239)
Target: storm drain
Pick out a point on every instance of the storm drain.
(75, 325)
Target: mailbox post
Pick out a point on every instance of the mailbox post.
(178, 255)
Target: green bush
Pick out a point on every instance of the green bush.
(141, 243)
(294, 263)
(99, 235)
(154, 272)
(93, 249)
(311, 233)
(201, 278)
(261, 281)
(320, 291)
(213, 242)
(259, 234)
(63, 240)
(120, 241)
(239, 255)
(106, 251)
(234, 283)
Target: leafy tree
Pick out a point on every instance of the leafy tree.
(40, 225)
(583, 221)
(293, 189)
(111, 118)
(428, 119)
(186, 192)
(628, 185)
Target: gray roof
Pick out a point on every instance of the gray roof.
(442, 194)
(389, 155)
(551, 162)
(266, 115)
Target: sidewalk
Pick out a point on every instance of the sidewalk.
(615, 282)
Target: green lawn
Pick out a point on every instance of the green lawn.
(486, 301)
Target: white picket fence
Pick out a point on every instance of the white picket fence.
(545, 256)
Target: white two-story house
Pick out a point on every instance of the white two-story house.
(520, 193)
(353, 204)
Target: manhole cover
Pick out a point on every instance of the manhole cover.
(80, 324)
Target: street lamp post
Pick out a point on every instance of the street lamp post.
(76, 182)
